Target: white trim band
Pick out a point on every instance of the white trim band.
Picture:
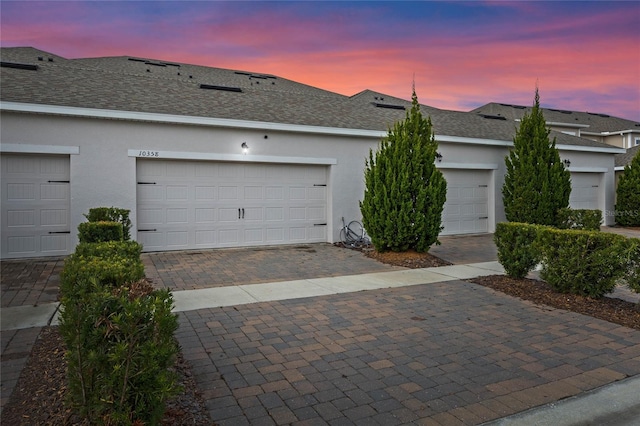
(244, 158)
(39, 149)
(464, 166)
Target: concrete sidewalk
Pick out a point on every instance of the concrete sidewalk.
(21, 317)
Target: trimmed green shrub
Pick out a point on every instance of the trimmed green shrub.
(110, 271)
(97, 232)
(404, 191)
(111, 214)
(109, 249)
(632, 264)
(120, 346)
(589, 220)
(587, 263)
(518, 252)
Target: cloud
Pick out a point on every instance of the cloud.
(461, 54)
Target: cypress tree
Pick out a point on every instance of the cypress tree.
(404, 192)
(536, 184)
(628, 194)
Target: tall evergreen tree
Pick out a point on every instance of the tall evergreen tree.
(404, 192)
(536, 184)
(628, 194)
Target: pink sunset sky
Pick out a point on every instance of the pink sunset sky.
(584, 56)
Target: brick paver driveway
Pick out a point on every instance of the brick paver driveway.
(446, 353)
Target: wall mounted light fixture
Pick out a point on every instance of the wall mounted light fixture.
(245, 147)
(438, 157)
(567, 163)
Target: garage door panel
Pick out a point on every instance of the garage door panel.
(297, 194)
(22, 244)
(253, 192)
(274, 193)
(229, 215)
(206, 238)
(205, 215)
(298, 234)
(585, 191)
(150, 216)
(53, 243)
(230, 204)
(229, 237)
(177, 193)
(228, 193)
(177, 239)
(206, 193)
(150, 193)
(35, 210)
(317, 213)
(254, 236)
(177, 216)
(467, 204)
(54, 217)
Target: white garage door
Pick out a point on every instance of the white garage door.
(466, 210)
(585, 191)
(35, 205)
(204, 204)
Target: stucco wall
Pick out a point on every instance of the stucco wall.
(104, 172)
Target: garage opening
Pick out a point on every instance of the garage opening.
(466, 210)
(35, 205)
(208, 204)
(585, 190)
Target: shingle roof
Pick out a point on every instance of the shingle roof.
(596, 122)
(625, 159)
(154, 86)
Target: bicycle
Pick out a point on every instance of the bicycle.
(353, 235)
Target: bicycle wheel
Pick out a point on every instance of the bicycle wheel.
(355, 232)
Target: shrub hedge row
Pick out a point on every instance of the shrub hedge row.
(588, 263)
(579, 219)
(118, 332)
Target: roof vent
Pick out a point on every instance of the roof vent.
(19, 66)
(560, 110)
(388, 106)
(493, 117)
(222, 88)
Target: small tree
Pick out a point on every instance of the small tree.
(536, 184)
(628, 194)
(404, 192)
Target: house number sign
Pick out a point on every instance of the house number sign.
(149, 154)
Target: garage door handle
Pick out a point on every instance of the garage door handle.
(59, 232)
(59, 181)
(243, 212)
(483, 186)
(147, 230)
(484, 217)
(239, 214)
(146, 183)
(319, 224)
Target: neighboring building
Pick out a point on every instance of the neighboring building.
(165, 140)
(598, 127)
(622, 160)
